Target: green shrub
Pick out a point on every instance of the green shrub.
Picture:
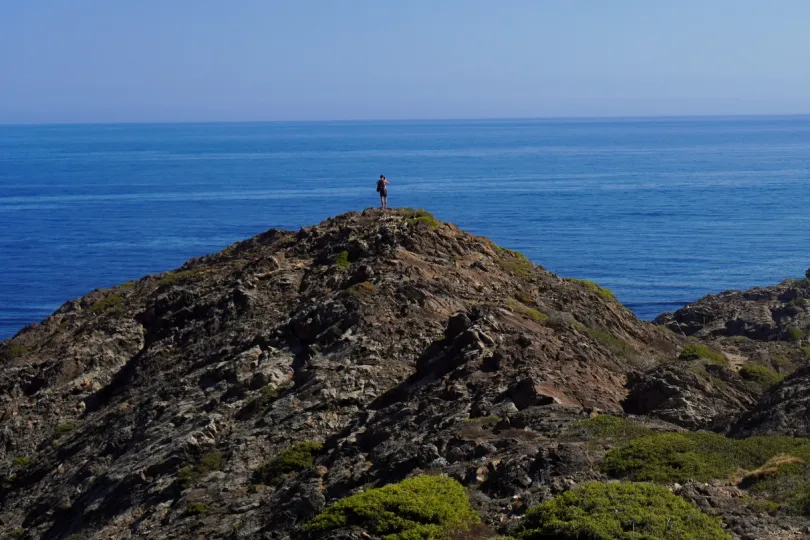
(530, 312)
(785, 478)
(17, 533)
(342, 260)
(608, 428)
(756, 504)
(16, 351)
(196, 508)
(178, 276)
(483, 420)
(614, 511)
(699, 456)
(297, 458)
(427, 221)
(266, 396)
(795, 334)
(422, 217)
(424, 507)
(213, 461)
(22, 461)
(64, 428)
(514, 262)
(603, 293)
(782, 364)
(615, 345)
(806, 351)
(112, 303)
(765, 377)
(697, 351)
(798, 302)
(362, 290)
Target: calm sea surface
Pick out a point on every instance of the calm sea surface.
(661, 211)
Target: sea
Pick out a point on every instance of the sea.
(660, 210)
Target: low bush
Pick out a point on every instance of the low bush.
(421, 217)
(619, 511)
(362, 290)
(602, 292)
(615, 345)
(112, 303)
(608, 428)
(795, 334)
(179, 276)
(784, 478)
(213, 461)
(515, 262)
(265, 397)
(763, 376)
(534, 314)
(483, 420)
(196, 508)
(22, 461)
(299, 457)
(342, 260)
(782, 363)
(697, 351)
(16, 351)
(423, 507)
(703, 456)
(64, 428)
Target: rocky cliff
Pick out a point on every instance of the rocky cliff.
(244, 394)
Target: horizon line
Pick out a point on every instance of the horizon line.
(404, 120)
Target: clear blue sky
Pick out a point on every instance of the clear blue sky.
(201, 60)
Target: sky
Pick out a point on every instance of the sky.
(98, 61)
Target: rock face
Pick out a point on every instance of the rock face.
(777, 313)
(380, 334)
(177, 406)
(783, 410)
(706, 398)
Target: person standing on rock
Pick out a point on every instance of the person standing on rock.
(383, 191)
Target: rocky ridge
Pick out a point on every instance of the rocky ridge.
(389, 345)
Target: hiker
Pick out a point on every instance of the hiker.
(383, 191)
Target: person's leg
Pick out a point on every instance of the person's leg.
(382, 201)
(385, 202)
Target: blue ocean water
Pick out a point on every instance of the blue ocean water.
(661, 211)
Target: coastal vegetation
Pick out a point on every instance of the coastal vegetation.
(423, 507)
(619, 511)
(297, 458)
(697, 351)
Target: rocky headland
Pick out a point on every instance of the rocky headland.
(387, 375)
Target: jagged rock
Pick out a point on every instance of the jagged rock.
(529, 392)
(762, 313)
(432, 351)
(783, 410)
(704, 398)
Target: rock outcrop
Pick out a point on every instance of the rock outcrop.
(777, 313)
(783, 410)
(241, 394)
(691, 395)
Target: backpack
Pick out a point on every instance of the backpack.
(380, 186)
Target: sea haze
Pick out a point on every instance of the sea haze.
(661, 211)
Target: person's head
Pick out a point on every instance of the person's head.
(382, 177)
